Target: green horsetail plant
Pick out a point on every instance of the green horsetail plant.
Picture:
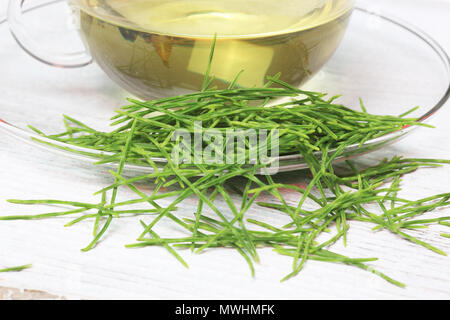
(306, 123)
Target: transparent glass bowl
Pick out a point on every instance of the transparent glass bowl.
(390, 64)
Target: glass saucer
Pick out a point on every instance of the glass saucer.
(390, 64)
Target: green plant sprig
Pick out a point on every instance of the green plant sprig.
(16, 269)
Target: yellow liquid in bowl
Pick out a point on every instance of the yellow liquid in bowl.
(157, 48)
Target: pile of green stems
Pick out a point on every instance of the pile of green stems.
(308, 123)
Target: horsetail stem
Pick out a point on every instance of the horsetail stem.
(309, 124)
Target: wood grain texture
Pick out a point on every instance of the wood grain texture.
(60, 269)
(18, 294)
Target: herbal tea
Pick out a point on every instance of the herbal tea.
(157, 48)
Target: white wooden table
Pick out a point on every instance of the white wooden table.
(111, 271)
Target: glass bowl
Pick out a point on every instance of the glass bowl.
(388, 63)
